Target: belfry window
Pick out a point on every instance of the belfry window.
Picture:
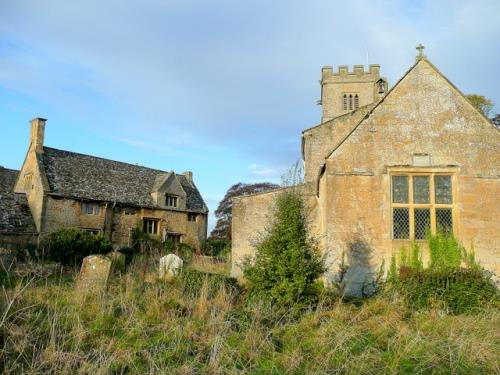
(421, 203)
(350, 102)
(356, 101)
(344, 103)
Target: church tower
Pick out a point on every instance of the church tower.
(345, 91)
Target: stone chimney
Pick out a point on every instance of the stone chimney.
(188, 175)
(37, 134)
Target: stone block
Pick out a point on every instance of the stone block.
(94, 273)
(170, 265)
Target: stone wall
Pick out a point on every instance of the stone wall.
(252, 215)
(426, 115)
(319, 141)
(117, 222)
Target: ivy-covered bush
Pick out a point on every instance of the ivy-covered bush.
(453, 280)
(287, 263)
(69, 246)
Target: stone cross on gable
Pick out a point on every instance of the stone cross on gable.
(420, 49)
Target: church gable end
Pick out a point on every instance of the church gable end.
(424, 117)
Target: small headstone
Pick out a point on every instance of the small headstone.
(170, 265)
(95, 272)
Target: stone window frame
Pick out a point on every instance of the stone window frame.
(350, 101)
(151, 225)
(432, 205)
(171, 201)
(192, 217)
(90, 208)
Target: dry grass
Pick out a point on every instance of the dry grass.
(46, 326)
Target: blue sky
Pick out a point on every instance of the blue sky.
(222, 88)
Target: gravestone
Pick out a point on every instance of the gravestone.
(94, 273)
(170, 265)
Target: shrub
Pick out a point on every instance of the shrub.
(287, 263)
(444, 282)
(69, 246)
(216, 248)
(458, 290)
(445, 251)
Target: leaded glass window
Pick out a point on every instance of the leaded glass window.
(442, 188)
(401, 223)
(400, 189)
(421, 204)
(421, 189)
(444, 220)
(422, 222)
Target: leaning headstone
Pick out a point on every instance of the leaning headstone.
(94, 273)
(170, 265)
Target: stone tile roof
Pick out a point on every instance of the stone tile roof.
(81, 176)
(15, 214)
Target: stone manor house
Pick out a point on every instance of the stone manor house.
(385, 166)
(59, 189)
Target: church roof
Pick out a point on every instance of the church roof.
(15, 214)
(80, 176)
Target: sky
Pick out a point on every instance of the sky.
(220, 88)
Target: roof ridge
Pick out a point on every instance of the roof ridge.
(111, 160)
(339, 116)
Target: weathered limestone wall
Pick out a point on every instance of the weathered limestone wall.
(66, 213)
(252, 215)
(319, 141)
(423, 115)
(116, 224)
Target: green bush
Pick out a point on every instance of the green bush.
(457, 290)
(287, 263)
(69, 246)
(444, 283)
(445, 251)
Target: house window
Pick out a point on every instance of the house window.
(150, 226)
(171, 201)
(192, 216)
(421, 203)
(129, 211)
(173, 237)
(90, 208)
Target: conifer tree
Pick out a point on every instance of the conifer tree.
(287, 263)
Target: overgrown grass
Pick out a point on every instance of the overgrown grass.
(200, 324)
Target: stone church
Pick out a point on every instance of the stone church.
(59, 189)
(385, 166)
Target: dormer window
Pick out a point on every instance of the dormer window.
(171, 201)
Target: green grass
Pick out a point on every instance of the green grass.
(139, 327)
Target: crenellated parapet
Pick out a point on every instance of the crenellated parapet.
(344, 90)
